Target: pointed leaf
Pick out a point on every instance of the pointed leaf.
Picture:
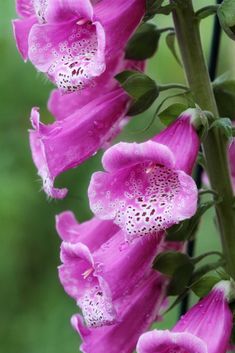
(167, 262)
(168, 115)
(180, 279)
(225, 125)
(226, 14)
(144, 42)
(141, 88)
(201, 271)
(224, 90)
(170, 41)
(204, 285)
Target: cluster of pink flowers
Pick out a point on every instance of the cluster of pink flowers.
(145, 188)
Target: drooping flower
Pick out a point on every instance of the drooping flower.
(74, 42)
(205, 328)
(137, 312)
(62, 105)
(99, 268)
(145, 187)
(67, 143)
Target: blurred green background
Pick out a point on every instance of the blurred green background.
(35, 311)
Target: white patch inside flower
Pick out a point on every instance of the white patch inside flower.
(150, 206)
(75, 60)
(40, 7)
(97, 311)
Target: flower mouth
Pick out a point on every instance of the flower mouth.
(87, 273)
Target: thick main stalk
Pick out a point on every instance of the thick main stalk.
(214, 146)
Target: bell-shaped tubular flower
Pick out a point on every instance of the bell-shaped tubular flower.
(182, 139)
(98, 277)
(137, 312)
(66, 143)
(205, 328)
(146, 187)
(62, 105)
(73, 42)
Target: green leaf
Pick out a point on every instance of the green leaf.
(170, 41)
(167, 262)
(180, 279)
(168, 115)
(206, 11)
(224, 90)
(185, 230)
(201, 271)
(144, 42)
(223, 275)
(141, 88)
(204, 285)
(225, 125)
(226, 14)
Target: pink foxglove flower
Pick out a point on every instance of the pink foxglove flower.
(62, 105)
(67, 143)
(99, 277)
(145, 187)
(206, 328)
(137, 312)
(74, 42)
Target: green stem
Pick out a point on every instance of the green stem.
(167, 86)
(214, 146)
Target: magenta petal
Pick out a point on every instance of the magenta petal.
(186, 200)
(67, 143)
(124, 13)
(66, 9)
(91, 293)
(146, 197)
(123, 155)
(158, 341)
(99, 276)
(202, 320)
(122, 265)
(205, 328)
(181, 137)
(40, 158)
(71, 58)
(61, 105)
(21, 30)
(138, 312)
(24, 8)
(71, 231)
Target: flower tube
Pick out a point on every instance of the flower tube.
(146, 187)
(137, 312)
(98, 277)
(205, 328)
(74, 42)
(67, 143)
